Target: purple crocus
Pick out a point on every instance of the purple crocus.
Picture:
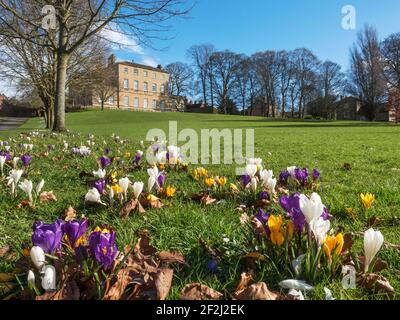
(284, 176)
(81, 254)
(47, 236)
(212, 266)
(74, 230)
(103, 247)
(6, 154)
(316, 174)
(325, 214)
(26, 159)
(263, 217)
(104, 162)
(138, 157)
(100, 185)
(106, 151)
(161, 179)
(264, 195)
(246, 180)
(301, 175)
(291, 204)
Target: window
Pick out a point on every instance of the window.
(154, 87)
(111, 100)
(162, 88)
(154, 75)
(145, 73)
(145, 103)
(162, 104)
(154, 104)
(136, 72)
(136, 103)
(145, 87)
(136, 85)
(126, 70)
(126, 84)
(126, 101)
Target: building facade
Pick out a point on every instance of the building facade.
(140, 88)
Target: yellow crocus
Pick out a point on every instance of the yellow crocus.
(209, 182)
(333, 243)
(117, 189)
(161, 166)
(169, 192)
(222, 181)
(98, 229)
(275, 226)
(151, 198)
(200, 173)
(127, 154)
(367, 200)
(233, 187)
(290, 229)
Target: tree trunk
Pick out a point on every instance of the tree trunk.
(102, 105)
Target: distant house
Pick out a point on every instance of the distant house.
(200, 108)
(351, 108)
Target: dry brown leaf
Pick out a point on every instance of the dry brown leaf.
(245, 280)
(168, 258)
(197, 291)
(69, 291)
(204, 198)
(143, 245)
(163, 282)
(24, 203)
(374, 221)
(69, 214)
(46, 296)
(257, 291)
(347, 243)
(261, 203)
(130, 206)
(258, 227)
(376, 283)
(47, 196)
(284, 190)
(116, 291)
(6, 277)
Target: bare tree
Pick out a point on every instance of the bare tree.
(366, 74)
(390, 49)
(285, 75)
(180, 78)
(80, 20)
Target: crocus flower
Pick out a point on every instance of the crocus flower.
(137, 189)
(104, 162)
(283, 177)
(93, 195)
(138, 156)
(15, 162)
(292, 207)
(367, 200)
(263, 196)
(270, 184)
(150, 183)
(263, 217)
(2, 162)
(292, 171)
(31, 279)
(47, 236)
(49, 278)
(246, 180)
(169, 192)
(13, 178)
(74, 230)
(333, 244)
(221, 181)
(320, 227)
(124, 184)
(103, 247)
(265, 175)
(209, 182)
(253, 184)
(251, 170)
(37, 256)
(161, 179)
(27, 187)
(101, 173)
(373, 241)
(312, 207)
(275, 226)
(100, 185)
(316, 174)
(39, 187)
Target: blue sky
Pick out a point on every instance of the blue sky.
(257, 25)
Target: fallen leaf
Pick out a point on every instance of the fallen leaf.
(163, 282)
(261, 203)
(46, 296)
(6, 277)
(257, 291)
(24, 203)
(258, 227)
(204, 198)
(346, 166)
(69, 291)
(143, 245)
(197, 291)
(130, 206)
(69, 214)
(376, 283)
(245, 279)
(116, 291)
(347, 243)
(168, 258)
(47, 196)
(374, 221)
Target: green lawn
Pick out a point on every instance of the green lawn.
(372, 150)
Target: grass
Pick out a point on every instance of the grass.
(372, 150)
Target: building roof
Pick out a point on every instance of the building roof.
(142, 66)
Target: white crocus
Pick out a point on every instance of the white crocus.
(15, 162)
(124, 184)
(37, 256)
(373, 241)
(31, 279)
(251, 170)
(292, 171)
(137, 189)
(296, 294)
(271, 184)
(39, 187)
(173, 153)
(153, 172)
(328, 294)
(265, 175)
(311, 208)
(93, 196)
(253, 184)
(27, 187)
(320, 227)
(7, 148)
(295, 285)
(101, 173)
(49, 278)
(13, 178)
(150, 183)
(111, 195)
(2, 162)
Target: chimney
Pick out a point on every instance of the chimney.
(159, 67)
